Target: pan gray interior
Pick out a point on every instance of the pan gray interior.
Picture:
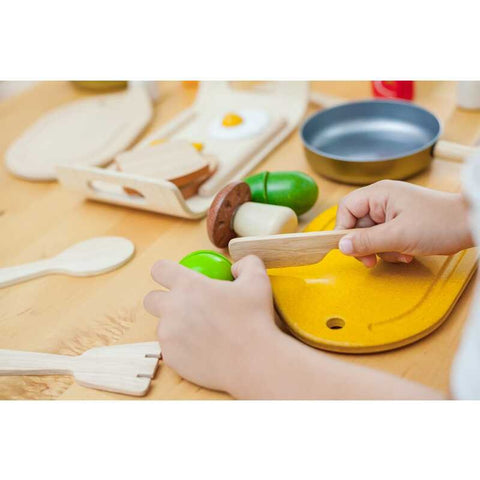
(370, 131)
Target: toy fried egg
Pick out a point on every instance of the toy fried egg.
(239, 124)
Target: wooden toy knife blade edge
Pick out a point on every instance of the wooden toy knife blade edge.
(287, 250)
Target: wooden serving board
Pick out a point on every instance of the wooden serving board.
(283, 102)
(341, 306)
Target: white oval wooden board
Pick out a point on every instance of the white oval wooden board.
(86, 132)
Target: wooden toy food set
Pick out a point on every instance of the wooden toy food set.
(264, 204)
(232, 129)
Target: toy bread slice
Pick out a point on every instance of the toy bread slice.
(190, 189)
(177, 161)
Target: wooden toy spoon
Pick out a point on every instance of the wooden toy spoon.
(90, 257)
(287, 250)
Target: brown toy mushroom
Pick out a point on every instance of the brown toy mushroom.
(232, 214)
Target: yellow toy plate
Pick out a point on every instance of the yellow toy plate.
(341, 306)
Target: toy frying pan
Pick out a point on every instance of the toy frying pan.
(366, 141)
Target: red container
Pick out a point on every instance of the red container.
(393, 89)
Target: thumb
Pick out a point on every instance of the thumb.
(248, 268)
(366, 241)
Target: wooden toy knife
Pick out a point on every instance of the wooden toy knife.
(287, 250)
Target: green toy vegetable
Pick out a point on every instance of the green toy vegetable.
(293, 189)
(209, 263)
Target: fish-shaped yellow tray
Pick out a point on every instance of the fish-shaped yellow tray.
(341, 306)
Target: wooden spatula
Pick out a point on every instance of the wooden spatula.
(124, 369)
(90, 257)
(287, 250)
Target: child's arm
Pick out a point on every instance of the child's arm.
(405, 220)
(222, 335)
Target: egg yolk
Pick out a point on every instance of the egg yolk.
(232, 120)
(198, 146)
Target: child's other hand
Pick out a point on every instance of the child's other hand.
(208, 327)
(402, 220)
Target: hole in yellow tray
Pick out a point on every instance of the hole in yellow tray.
(335, 323)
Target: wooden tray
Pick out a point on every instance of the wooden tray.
(341, 306)
(285, 102)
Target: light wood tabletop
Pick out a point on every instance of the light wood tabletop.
(67, 315)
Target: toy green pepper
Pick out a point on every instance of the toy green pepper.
(293, 189)
(209, 263)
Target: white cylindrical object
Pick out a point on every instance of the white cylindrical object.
(252, 219)
(468, 95)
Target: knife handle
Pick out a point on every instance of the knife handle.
(287, 250)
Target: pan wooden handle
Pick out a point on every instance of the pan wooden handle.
(454, 151)
(287, 250)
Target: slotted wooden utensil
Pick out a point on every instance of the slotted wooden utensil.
(289, 249)
(126, 369)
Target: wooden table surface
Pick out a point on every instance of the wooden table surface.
(67, 315)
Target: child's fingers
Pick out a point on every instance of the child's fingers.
(367, 241)
(154, 302)
(394, 257)
(368, 260)
(351, 208)
(365, 222)
(248, 267)
(169, 273)
(367, 201)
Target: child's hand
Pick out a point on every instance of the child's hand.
(403, 220)
(222, 335)
(212, 332)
